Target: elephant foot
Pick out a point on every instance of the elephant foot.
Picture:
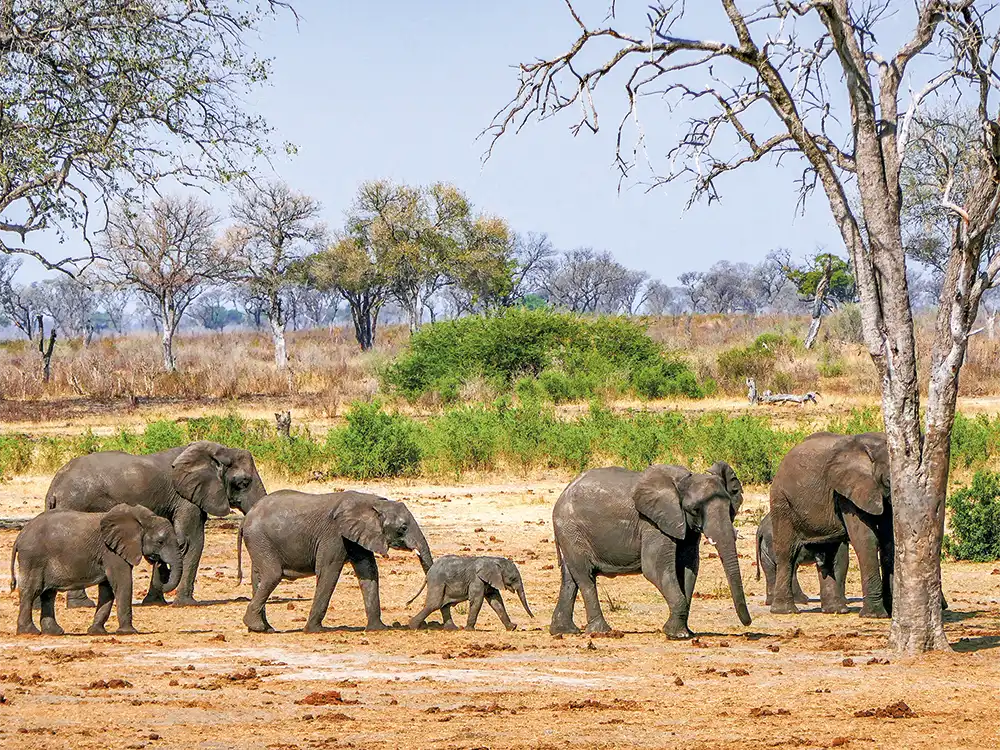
(260, 629)
(599, 625)
(450, 625)
(563, 628)
(29, 629)
(97, 630)
(79, 601)
(768, 600)
(788, 608)
(185, 601)
(153, 600)
(128, 630)
(803, 599)
(510, 627)
(373, 626)
(469, 627)
(876, 612)
(836, 608)
(51, 627)
(414, 624)
(677, 631)
(257, 625)
(316, 628)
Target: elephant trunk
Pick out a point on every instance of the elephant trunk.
(723, 535)
(415, 540)
(254, 494)
(173, 576)
(524, 599)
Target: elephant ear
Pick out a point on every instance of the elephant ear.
(197, 475)
(145, 517)
(733, 485)
(851, 473)
(122, 533)
(489, 572)
(657, 498)
(360, 522)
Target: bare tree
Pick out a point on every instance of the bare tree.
(275, 229)
(659, 298)
(768, 279)
(725, 286)
(692, 282)
(586, 281)
(167, 252)
(104, 97)
(813, 65)
(19, 303)
(72, 303)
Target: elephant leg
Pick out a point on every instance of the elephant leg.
(688, 561)
(268, 578)
(562, 615)
(798, 595)
(48, 619)
(446, 619)
(326, 582)
(159, 577)
(105, 598)
(29, 593)
(193, 529)
(785, 552)
(254, 580)
(366, 569)
(887, 558)
(769, 569)
(866, 547)
(435, 599)
(495, 601)
(122, 587)
(477, 592)
(78, 599)
(660, 566)
(591, 601)
(833, 578)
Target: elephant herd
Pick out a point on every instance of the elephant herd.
(105, 512)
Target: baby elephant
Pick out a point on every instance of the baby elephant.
(454, 578)
(64, 550)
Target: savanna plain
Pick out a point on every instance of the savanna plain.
(195, 678)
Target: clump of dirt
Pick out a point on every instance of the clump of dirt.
(618, 704)
(764, 711)
(773, 648)
(249, 674)
(897, 710)
(847, 663)
(738, 672)
(57, 656)
(481, 650)
(678, 682)
(876, 660)
(327, 698)
(112, 684)
(218, 637)
(609, 634)
(698, 643)
(839, 741)
(334, 716)
(16, 679)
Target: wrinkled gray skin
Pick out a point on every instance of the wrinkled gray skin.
(453, 578)
(64, 549)
(830, 489)
(295, 534)
(613, 521)
(833, 599)
(184, 485)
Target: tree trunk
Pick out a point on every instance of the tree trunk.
(364, 322)
(277, 320)
(818, 304)
(167, 337)
(46, 351)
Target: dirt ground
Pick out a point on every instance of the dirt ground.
(195, 678)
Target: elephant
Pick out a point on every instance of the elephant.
(293, 534)
(613, 521)
(454, 578)
(184, 485)
(808, 554)
(830, 489)
(64, 549)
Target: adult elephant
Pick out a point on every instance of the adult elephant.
(292, 534)
(613, 521)
(184, 485)
(830, 489)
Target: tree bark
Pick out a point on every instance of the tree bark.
(167, 336)
(277, 320)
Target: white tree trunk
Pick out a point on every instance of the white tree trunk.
(280, 352)
(168, 317)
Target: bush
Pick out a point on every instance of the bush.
(374, 444)
(970, 440)
(844, 324)
(573, 358)
(831, 364)
(15, 455)
(163, 435)
(738, 364)
(467, 439)
(975, 520)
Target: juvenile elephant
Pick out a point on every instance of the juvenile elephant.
(295, 534)
(184, 485)
(613, 521)
(835, 600)
(65, 549)
(830, 489)
(453, 578)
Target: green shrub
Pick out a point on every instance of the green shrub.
(15, 455)
(738, 364)
(747, 443)
(574, 358)
(975, 520)
(374, 444)
(468, 438)
(970, 440)
(831, 364)
(865, 419)
(163, 435)
(844, 324)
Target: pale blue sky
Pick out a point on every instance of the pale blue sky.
(401, 89)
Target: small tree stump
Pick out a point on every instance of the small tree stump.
(284, 421)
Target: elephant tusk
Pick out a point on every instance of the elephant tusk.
(710, 540)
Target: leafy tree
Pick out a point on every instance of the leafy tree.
(825, 281)
(275, 229)
(104, 98)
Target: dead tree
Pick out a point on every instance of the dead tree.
(788, 398)
(283, 420)
(752, 396)
(819, 304)
(815, 80)
(46, 349)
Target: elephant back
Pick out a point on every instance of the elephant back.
(99, 481)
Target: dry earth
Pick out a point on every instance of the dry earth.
(195, 678)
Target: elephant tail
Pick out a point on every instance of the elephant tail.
(758, 556)
(50, 501)
(239, 555)
(422, 587)
(13, 575)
